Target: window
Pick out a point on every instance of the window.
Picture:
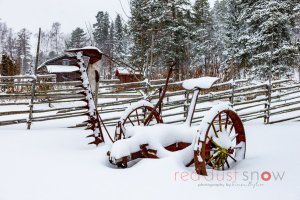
(66, 62)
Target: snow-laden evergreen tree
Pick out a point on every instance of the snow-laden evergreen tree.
(127, 42)
(173, 43)
(101, 30)
(161, 32)
(77, 40)
(231, 32)
(266, 38)
(139, 28)
(202, 35)
(119, 39)
(111, 49)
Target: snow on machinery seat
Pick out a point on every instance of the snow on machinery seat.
(202, 83)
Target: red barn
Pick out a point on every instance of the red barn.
(126, 75)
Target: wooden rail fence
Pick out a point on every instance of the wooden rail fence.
(57, 100)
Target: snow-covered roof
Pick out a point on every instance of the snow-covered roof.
(55, 58)
(61, 68)
(124, 71)
(86, 48)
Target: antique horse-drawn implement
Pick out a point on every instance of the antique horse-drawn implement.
(218, 142)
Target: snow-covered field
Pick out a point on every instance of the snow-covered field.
(52, 162)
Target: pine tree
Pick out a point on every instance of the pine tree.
(232, 28)
(78, 39)
(101, 32)
(110, 46)
(268, 38)
(139, 26)
(161, 32)
(202, 40)
(119, 39)
(8, 67)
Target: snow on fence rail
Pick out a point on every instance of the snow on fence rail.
(57, 100)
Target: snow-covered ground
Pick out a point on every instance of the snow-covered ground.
(54, 162)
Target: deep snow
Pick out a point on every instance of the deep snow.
(51, 162)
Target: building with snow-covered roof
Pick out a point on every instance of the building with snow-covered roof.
(62, 66)
(126, 75)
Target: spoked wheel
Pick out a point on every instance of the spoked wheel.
(136, 115)
(224, 143)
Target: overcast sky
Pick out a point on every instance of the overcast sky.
(32, 14)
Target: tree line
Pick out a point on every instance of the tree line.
(233, 39)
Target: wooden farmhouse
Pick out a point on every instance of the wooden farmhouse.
(62, 66)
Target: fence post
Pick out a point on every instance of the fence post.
(186, 104)
(97, 81)
(29, 121)
(232, 85)
(268, 104)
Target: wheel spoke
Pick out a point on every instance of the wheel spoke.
(232, 138)
(227, 163)
(149, 121)
(213, 165)
(214, 128)
(137, 116)
(223, 162)
(216, 162)
(237, 148)
(226, 121)
(220, 122)
(131, 121)
(232, 158)
(213, 157)
(231, 128)
(145, 114)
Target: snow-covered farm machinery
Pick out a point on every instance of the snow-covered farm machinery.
(218, 142)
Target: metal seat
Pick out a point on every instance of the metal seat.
(199, 83)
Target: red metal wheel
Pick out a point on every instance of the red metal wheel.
(223, 144)
(136, 115)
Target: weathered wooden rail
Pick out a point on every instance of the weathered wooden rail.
(54, 100)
